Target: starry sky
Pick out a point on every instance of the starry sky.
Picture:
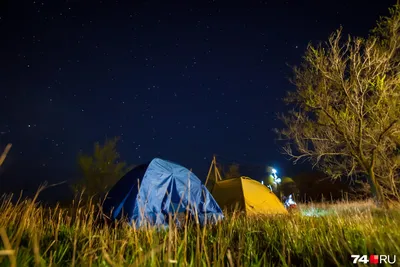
(181, 80)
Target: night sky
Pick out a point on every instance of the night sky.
(181, 81)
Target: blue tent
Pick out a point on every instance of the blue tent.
(149, 192)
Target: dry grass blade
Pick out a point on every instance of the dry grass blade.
(108, 258)
(229, 256)
(149, 255)
(5, 152)
(8, 251)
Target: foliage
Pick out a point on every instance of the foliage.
(346, 109)
(316, 186)
(288, 187)
(270, 180)
(326, 235)
(285, 188)
(102, 169)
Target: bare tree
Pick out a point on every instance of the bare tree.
(346, 109)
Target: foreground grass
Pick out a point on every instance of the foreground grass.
(327, 235)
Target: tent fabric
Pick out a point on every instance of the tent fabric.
(247, 195)
(150, 192)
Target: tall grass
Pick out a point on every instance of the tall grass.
(34, 235)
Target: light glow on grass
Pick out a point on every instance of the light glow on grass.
(315, 212)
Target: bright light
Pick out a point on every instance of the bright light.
(278, 180)
(274, 171)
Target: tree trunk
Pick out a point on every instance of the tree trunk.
(376, 190)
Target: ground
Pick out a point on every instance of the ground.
(317, 235)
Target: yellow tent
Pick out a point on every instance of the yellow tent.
(244, 194)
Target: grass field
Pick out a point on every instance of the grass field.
(316, 235)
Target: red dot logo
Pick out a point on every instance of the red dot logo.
(373, 259)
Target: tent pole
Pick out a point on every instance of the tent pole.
(209, 171)
(218, 174)
(217, 171)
